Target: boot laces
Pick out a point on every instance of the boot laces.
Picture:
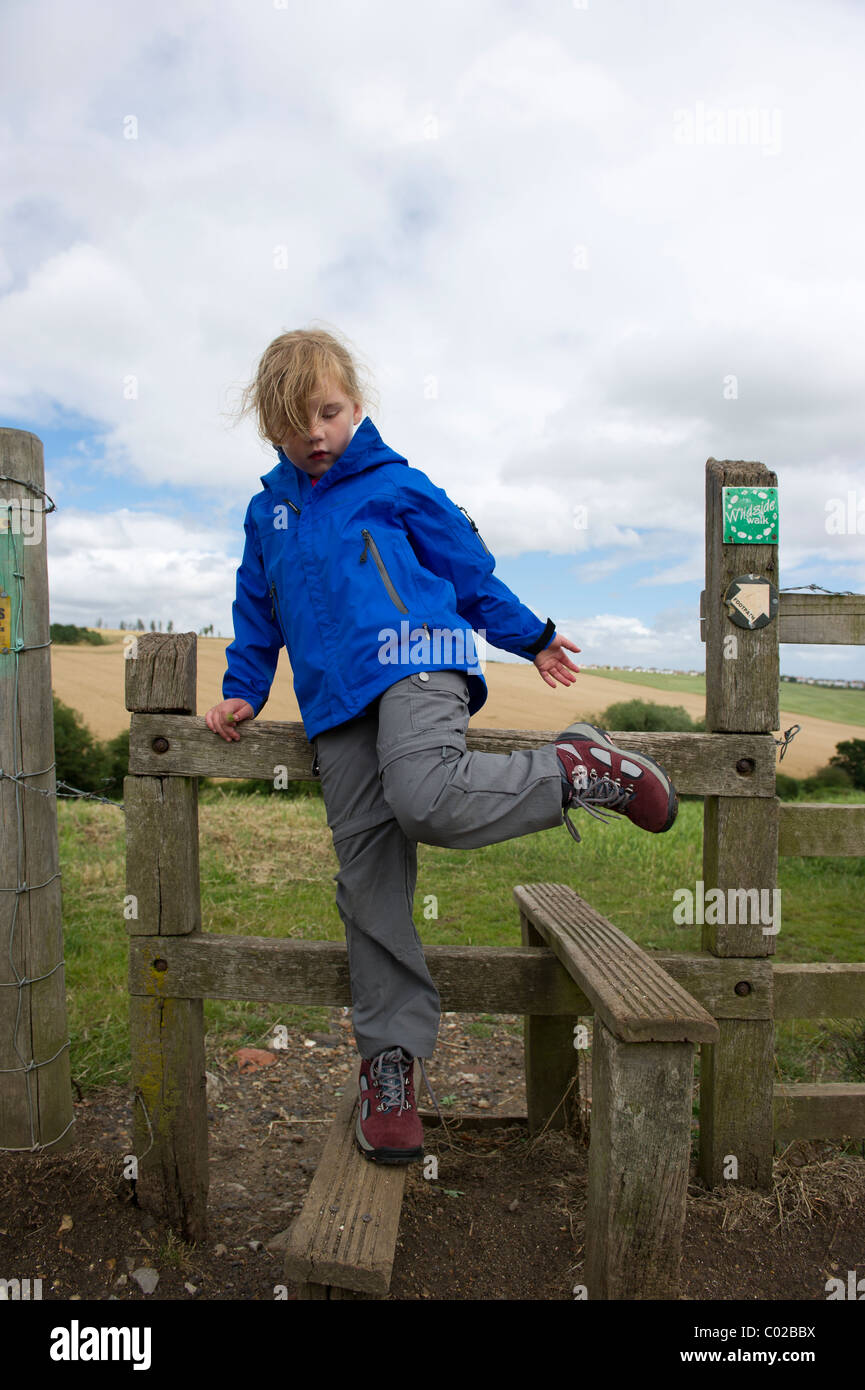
(388, 1071)
(606, 792)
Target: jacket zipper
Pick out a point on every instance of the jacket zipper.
(386, 579)
(476, 531)
(275, 615)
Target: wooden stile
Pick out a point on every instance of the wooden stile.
(650, 1011)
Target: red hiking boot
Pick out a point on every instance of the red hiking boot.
(600, 777)
(389, 1128)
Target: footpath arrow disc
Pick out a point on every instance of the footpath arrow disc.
(751, 601)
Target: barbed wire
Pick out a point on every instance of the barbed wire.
(69, 793)
(32, 487)
(817, 588)
(786, 739)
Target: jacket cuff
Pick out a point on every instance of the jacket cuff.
(544, 640)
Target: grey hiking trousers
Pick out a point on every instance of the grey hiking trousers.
(396, 775)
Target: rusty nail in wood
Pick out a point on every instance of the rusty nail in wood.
(745, 766)
(160, 745)
(743, 987)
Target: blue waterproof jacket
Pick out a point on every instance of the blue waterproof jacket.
(368, 576)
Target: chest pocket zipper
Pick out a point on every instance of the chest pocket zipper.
(476, 531)
(380, 566)
(275, 615)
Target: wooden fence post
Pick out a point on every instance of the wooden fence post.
(551, 1062)
(166, 1033)
(35, 1086)
(740, 846)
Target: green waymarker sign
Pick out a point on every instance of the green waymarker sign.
(750, 515)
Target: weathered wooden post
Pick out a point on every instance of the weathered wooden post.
(162, 879)
(551, 1062)
(740, 841)
(35, 1087)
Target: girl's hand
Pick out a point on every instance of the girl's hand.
(554, 665)
(218, 719)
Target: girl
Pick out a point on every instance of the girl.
(374, 581)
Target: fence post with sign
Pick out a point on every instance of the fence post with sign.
(740, 833)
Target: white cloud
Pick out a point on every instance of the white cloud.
(491, 201)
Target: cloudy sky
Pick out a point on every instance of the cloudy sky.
(581, 248)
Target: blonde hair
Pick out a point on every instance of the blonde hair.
(292, 368)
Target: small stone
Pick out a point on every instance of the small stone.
(65, 1225)
(512, 1206)
(121, 1281)
(483, 1105)
(146, 1278)
(219, 1249)
(190, 1288)
(214, 1086)
(256, 1245)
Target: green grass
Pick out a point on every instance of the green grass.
(816, 701)
(267, 869)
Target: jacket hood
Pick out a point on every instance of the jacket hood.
(365, 449)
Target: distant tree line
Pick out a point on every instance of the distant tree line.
(69, 632)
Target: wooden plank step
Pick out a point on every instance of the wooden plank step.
(345, 1236)
(631, 992)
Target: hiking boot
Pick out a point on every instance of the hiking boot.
(389, 1128)
(599, 777)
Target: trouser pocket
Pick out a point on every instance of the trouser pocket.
(438, 702)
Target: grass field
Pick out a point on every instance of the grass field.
(815, 701)
(267, 867)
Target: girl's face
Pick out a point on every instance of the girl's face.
(333, 422)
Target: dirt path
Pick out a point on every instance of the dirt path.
(504, 1220)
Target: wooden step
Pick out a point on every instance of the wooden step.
(630, 992)
(343, 1242)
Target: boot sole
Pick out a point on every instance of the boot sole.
(392, 1156)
